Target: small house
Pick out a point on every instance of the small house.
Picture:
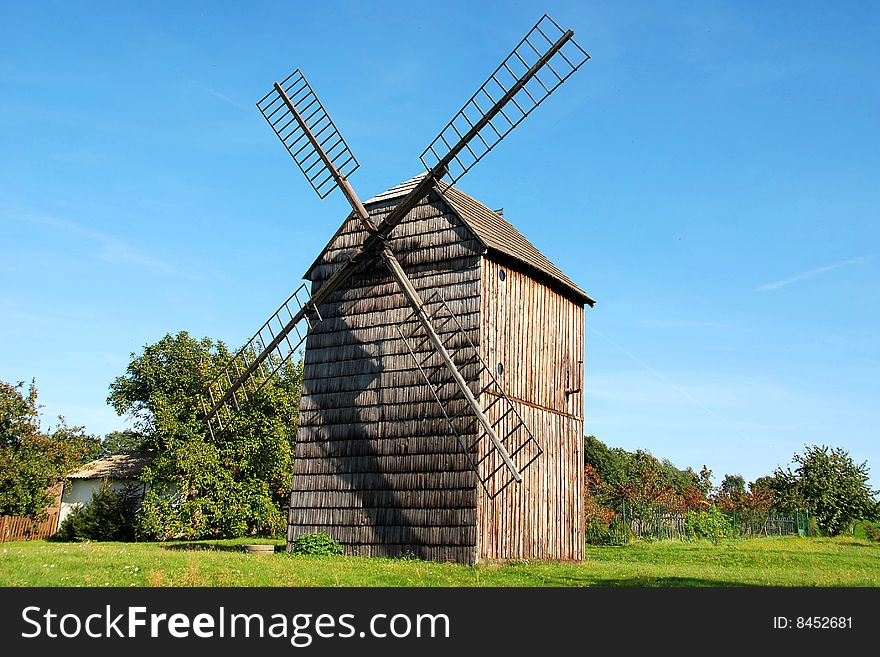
(120, 471)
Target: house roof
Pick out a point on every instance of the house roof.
(128, 465)
(489, 227)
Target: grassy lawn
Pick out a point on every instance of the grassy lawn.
(780, 561)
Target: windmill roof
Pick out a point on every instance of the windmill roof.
(127, 465)
(496, 233)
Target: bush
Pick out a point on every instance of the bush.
(711, 524)
(608, 537)
(110, 516)
(234, 508)
(599, 532)
(872, 532)
(320, 544)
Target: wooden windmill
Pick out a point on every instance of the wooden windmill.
(442, 350)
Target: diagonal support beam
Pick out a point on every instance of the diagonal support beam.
(418, 306)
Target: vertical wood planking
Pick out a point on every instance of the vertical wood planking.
(537, 333)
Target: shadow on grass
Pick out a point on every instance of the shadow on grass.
(668, 582)
(213, 547)
(633, 582)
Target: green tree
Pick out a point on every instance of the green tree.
(31, 461)
(638, 478)
(733, 484)
(231, 484)
(127, 440)
(704, 480)
(782, 490)
(834, 488)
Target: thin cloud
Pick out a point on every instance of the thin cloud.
(680, 323)
(215, 93)
(767, 287)
(111, 249)
(672, 385)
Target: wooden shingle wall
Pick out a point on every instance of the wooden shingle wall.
(376, 466)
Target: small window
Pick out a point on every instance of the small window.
(500, 369)
(502, 275)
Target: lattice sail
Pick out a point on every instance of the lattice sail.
(545, 58)
(260, 359)
(510, 428)
(290, 132)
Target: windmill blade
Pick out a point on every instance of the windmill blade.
(260, 359)
(545, 58)
(299, 119)
(458, 382)
(495, 463)
(294, 112)
(512, 92)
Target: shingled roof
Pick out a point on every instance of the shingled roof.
(128, 465)
(490, 228)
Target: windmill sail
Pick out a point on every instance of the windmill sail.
(280, 107)
(260, 358)
(545, 58)
(513, 436)
(512, 92)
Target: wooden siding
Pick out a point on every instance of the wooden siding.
(537, 334)
(376, 466)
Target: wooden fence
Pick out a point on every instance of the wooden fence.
(22, 528)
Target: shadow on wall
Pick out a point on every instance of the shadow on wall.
(354, 460)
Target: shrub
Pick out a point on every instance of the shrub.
(872, 532)
(110, 516)
(711, 524)
(613, 535)
(233, 508)
(320, 544)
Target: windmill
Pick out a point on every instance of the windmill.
(488, 426)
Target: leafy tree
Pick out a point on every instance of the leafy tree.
(757, 500)
(117, 442)
(730, 494)
(682, 481)
(31, 460)
(704, 480)
(643, 485)
(733, 483)
(639, 479)
(834, 488)
(231, 484)
(781, 489)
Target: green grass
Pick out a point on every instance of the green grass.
(774, 561)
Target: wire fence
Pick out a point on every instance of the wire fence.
(658, 523)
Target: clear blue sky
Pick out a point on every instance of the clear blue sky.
(710, 177)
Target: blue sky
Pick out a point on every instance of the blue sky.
(710, 177)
